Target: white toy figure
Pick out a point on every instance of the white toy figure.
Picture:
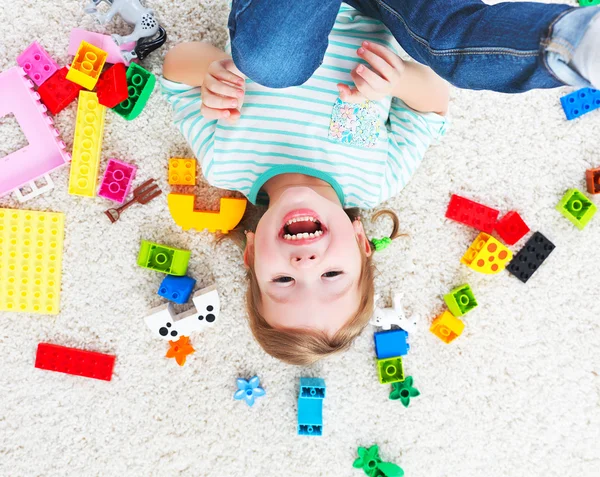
(386, 317)
(165, 324)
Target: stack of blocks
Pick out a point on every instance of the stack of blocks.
(460, 301)
(310, 406)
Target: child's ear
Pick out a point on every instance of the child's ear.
(249, 250)
(363, 241)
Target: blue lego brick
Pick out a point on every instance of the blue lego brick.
(177, 289)
(580, 102)
(312, 388)
(310, 417)
(389, 344)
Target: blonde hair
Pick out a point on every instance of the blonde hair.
(305, 346)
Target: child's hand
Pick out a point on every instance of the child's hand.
(376, 83)
(222, 91)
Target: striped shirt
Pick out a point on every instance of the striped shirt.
(301, 129)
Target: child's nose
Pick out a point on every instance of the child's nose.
(304, 261)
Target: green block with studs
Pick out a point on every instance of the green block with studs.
(588, 3)
(576, 207)
(160, 258)
(140, 84)
(461, 300)
(390, 370)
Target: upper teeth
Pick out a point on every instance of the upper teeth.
(301, 219)
(304, 235)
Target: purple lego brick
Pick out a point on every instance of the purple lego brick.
(37, 63)
(117, 180)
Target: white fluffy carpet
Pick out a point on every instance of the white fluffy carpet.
(517, 395)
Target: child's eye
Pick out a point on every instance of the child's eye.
(331, 274)
(283, 279)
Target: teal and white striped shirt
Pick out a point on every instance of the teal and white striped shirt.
(367, 154)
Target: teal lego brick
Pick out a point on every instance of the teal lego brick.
(312, 388)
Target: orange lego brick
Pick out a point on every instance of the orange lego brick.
(87, 65)
(447, 327)
(592, 177)
(182, 171)
(487, 255)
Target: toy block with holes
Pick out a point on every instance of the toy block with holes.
(389, 344)
(576, 207)
(181, 207)
(37, 63)
(530, 257)
(390, 370)
(486, 255)
(117, 180)
(87, 65)
(34, 188)
(58, 92)
(310, 406)
(87, 145)
(461, 300)
(447, 327)
(31, 248)
(511, 228)
(588, 3)
(312, 388)
(112, 86)
(104, 42)
(592, 178)
(471, 213)
(177, 289)
(160, 258)
(45, 151)
(140, 84)
(580, 102)
(182, 171)
(73, 361)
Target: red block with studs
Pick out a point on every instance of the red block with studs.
(472, 213)
(592, 177)
(58, 92)
(74, 361)
(112, 86)
(511, 228)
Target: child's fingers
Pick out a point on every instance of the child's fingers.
(378, 63)
(212, 113)
(350, 95)
(223, 89)
(375, 81)
(224, 73)
(218, 102)
(364, 87)
(388, 55)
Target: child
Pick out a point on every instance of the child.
(338, 141)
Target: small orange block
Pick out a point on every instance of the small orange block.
(447, 327)
(182, 171)
(87, 65)
(487, 255)
(592, 177)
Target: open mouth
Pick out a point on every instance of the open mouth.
(303, 227)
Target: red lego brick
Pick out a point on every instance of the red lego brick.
(74, 361)
(471, 213)
(592, 177)
(511, 228)
(58, 92)
(112, 86)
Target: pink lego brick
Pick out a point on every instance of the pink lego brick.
(117, 180)
(104, 42)
(37, 63)
(74, 361)
(45, 150)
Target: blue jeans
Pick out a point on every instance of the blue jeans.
(507, 47)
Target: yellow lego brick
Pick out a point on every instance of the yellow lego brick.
(31, 246)
(182, 171)
(87, 65)
(447, 327)
(487, 255)
(87, 145)
(182, 210)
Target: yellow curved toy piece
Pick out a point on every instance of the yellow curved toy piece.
(182, 210)
(487, 255)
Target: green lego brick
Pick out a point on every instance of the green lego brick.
(576, 207)
(140, 84)
(172, 261)
(588, 3)
(461, 300)
(390, 370)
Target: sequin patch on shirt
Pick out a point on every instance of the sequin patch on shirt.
(355, 123)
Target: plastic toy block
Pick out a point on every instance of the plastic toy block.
(104, 42)
(112, 86)
(592, 177)
(447, 327)
(530, 257)
(472, 213)
(37, 63)
(58, 92)
(312, 388)
(576, 207)
(588, 3)
(45, 151)
(87, 145)
(248, 390)
(74, 361)
(580, 102)
(310, 417)
(404, 391)
(87, 65)
(461, 300)
(177, 289)
(511, 228)
(172, 261)
(180, 350)
(36, 188)
(486, 255)
(117, 180)
(182, 171)
(390, 370)
(389, 344)
(181, 207)
(31, 246)
(140, 84)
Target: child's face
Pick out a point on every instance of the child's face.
(307, 281)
